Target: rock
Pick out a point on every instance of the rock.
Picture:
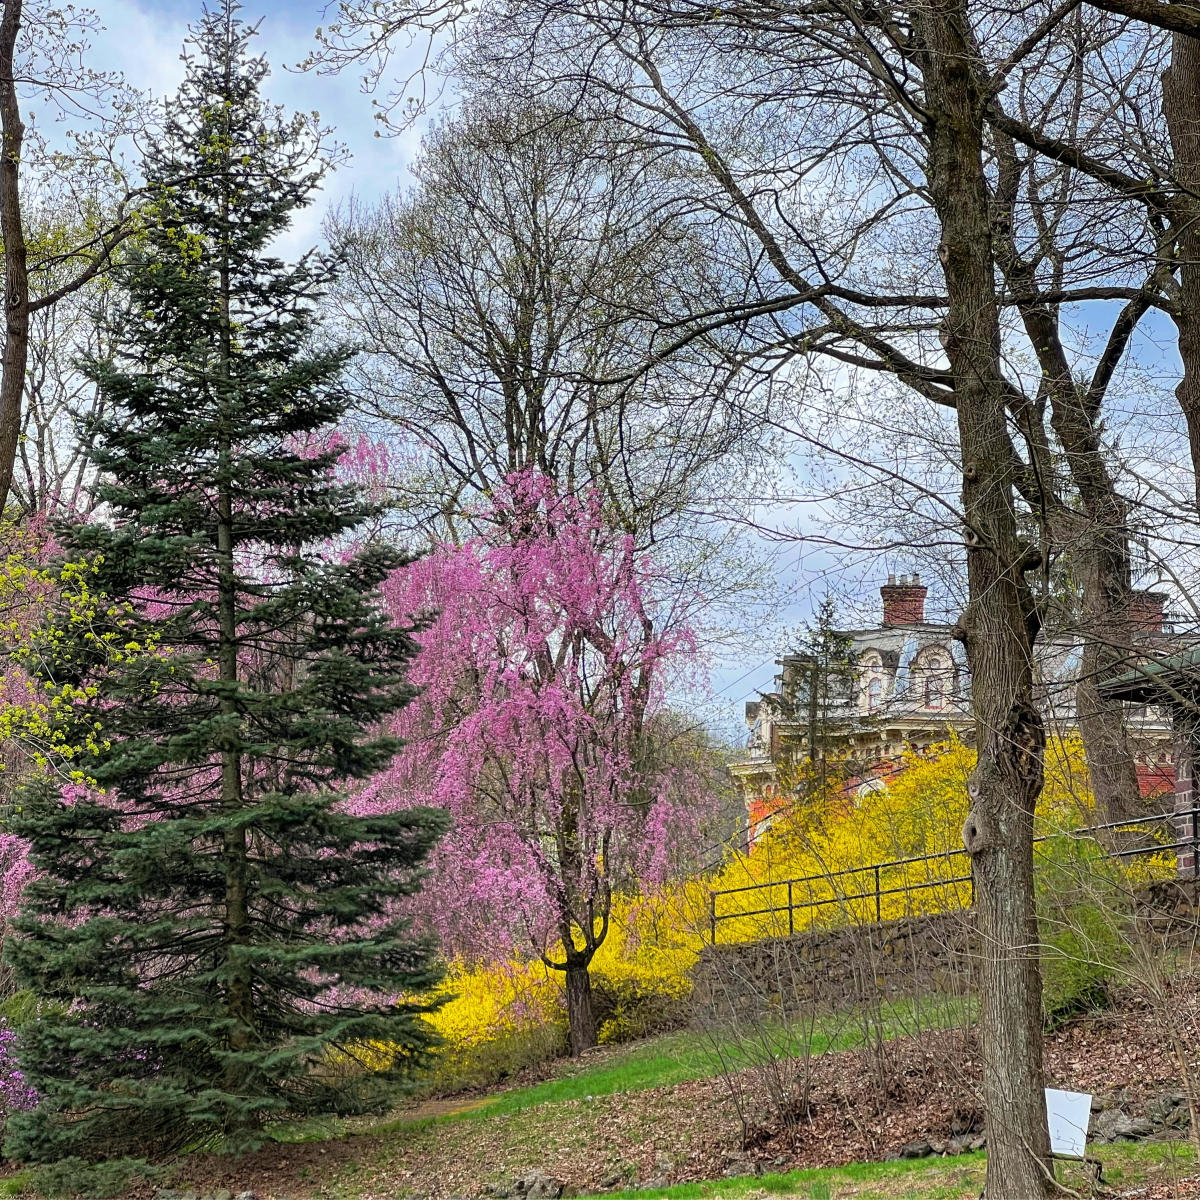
(247, 1195)
(892, 1156)
(977, 1143)
(1097, 1104)
(654, 1184)
(617, 1175)
(499, 1190)
(539, 1186)
(1170, 1109)
(222, 1194)
(916, 1150)
(958, 1145)
(1113, 1124)
(937, 1147)
(663, 1165)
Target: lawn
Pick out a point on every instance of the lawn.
(677, 1057)
(1127, 1165)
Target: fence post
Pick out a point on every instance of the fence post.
(878, 910)
(712, 899)
(791, 918)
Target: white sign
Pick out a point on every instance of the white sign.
(1068, 1114)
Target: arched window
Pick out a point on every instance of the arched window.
(870, 681)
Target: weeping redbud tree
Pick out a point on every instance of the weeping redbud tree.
(542, 675)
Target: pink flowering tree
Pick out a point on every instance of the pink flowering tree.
(541, 670)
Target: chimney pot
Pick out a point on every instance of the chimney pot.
(892, 580)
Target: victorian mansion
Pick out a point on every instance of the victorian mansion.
(908, 687)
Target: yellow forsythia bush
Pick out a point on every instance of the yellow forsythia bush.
(863, 842)
(642, 973)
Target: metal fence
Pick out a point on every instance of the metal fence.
(1185, 820)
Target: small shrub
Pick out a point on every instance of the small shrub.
(1081, 901)
(628, 1008)
(486, 1062)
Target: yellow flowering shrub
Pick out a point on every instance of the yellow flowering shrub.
(483, 1003)
(838, 865)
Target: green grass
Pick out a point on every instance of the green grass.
(817, 1182)
(1126, 1165)
(677, 1057)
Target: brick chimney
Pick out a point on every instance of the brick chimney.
(903, 600)
(1146, 611)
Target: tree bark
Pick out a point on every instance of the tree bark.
(999, 625)
(1094, 534)
(1181, 108)
(16, 278)
(581, 1015)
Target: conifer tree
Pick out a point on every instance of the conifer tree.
(221, 923)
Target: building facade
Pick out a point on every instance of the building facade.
(908, 687)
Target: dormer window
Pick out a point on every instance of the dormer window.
(874, 689)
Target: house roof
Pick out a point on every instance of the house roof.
(1173, 679)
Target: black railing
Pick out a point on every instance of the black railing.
(1186, 819)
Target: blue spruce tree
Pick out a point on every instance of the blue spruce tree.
(222, 930)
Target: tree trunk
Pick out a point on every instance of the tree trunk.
(16, 279)
(1106, 648)
(1097, 539)
(999, 625)
(1181, 108)
(581, 1016)
(239, 978)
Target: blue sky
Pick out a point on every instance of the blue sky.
(143, 39)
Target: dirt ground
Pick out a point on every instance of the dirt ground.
(862, 1107)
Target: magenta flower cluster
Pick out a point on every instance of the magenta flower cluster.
(547, 658)
(16, 1094)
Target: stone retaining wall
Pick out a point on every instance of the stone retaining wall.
(915, 956)
(837, 968)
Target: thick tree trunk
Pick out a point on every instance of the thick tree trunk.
(581, 1016)
(16, 279)
(1000, 623)
(1181, 107)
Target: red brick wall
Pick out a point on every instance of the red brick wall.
(903, 603)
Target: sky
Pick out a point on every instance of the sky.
(142, 40)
